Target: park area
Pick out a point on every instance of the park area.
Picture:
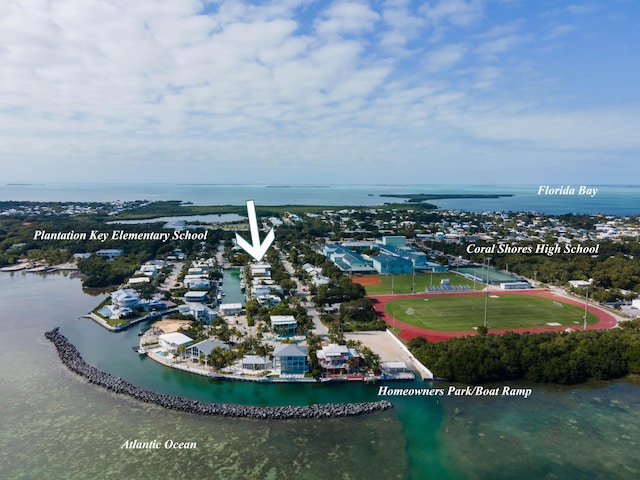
(401, 284)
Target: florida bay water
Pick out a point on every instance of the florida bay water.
(610, 199)
(55, 425)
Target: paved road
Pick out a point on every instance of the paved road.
(172, 280)
(319, 327)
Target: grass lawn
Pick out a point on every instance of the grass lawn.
(402, 283)
(463, 313)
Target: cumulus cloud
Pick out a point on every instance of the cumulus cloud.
(284, 85)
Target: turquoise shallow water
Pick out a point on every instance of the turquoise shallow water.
(55, 425)
(612, 200)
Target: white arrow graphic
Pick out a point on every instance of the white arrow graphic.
(255, 248)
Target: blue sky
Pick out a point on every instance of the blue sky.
(455, 91)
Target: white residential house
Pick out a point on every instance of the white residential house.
(171, 341)
(254, 362)
(147, 270)
(127, 297)
(196, 282)
(230, 308)
(199, 311)
(260, 270)
(283, 325)
(196, 297)
(110, 253)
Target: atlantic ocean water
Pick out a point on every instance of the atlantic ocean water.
(57, 426)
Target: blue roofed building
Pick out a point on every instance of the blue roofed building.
(389, 264)
(290, 359)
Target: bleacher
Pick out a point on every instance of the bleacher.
(448, 288)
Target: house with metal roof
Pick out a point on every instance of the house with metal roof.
(283, 325)
(290, 359)
(337, 359)
(255, 362)
(204, 348)
(171, 341)
(198, 296)
(127, 297)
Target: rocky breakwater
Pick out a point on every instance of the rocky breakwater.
(74, 361)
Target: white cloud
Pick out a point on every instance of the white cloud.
(445, 57)
(284, 85)
(491, 48)
(580, 9)
(346, 18)
(460, 13)
(558, 31)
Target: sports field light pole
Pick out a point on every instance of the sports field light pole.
(413, 282)
(486, 297)
(392, 277)
(586, 304)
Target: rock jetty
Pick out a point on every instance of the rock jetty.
(74, 361)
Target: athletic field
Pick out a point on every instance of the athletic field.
(382, 284)
(461, 313)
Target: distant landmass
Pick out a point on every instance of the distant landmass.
(424, 197)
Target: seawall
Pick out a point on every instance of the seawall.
(71, 357)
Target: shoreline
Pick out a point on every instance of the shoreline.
(72, 359)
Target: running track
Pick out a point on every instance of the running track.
(605, 319)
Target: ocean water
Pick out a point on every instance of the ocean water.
(612, 200)
(57, 426)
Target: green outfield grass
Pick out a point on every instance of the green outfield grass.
(402, 283)
(460, 313)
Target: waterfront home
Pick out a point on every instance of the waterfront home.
(337, 359)
(230, 308)
(196, 282)
(114, 312)
(198, 311)
(125, 298)
(255, 362)
(270, 300)
(290, 359)
(196, 296)
(283, 325)
(204, 348)
(171, 341)
(260, 270)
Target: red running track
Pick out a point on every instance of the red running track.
(605, 319)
